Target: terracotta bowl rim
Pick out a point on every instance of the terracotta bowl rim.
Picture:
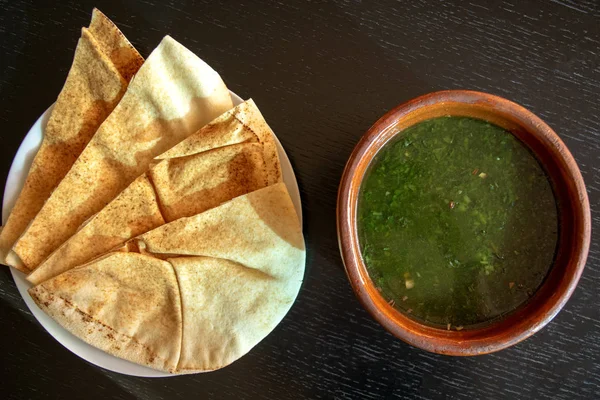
(498, 335)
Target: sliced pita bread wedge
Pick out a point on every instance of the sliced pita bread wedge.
(103, 65)
(238, 270)
(125, 304)
(239, 267)
(133, 212)
(235, 230)
(189, 185)
(242, 124)
(172, 95)
(179, 187)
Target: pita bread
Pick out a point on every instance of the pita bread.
(179, 187)
(127, 305)
(172, 95)
(103, 64)
(238, 268)
(242, 124)
(188, 185)
(133, 212)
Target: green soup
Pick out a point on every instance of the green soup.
(457, 222)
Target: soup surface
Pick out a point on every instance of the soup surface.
(457, 222)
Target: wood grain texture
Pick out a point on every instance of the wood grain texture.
(322, 73)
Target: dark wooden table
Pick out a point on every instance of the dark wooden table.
(322, 73)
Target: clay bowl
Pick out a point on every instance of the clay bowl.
(574, 222)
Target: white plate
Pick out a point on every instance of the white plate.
(14, 183)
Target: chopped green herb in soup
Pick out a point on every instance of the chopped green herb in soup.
(457, 221)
